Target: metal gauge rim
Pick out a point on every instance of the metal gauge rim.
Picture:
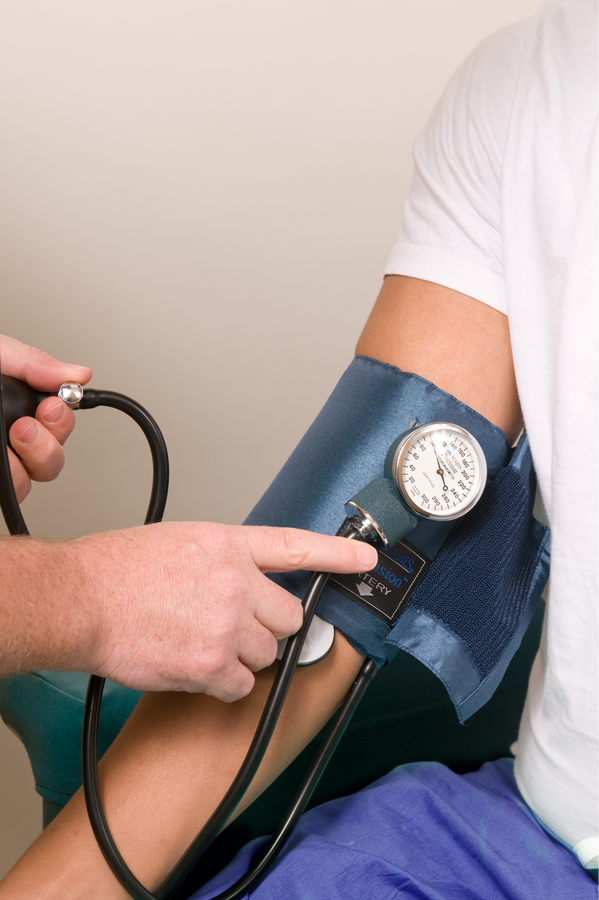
(424, 430)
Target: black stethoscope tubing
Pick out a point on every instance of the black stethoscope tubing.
(16, 526)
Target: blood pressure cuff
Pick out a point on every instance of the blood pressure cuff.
(465, 591)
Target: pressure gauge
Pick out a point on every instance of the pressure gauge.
(440, 470)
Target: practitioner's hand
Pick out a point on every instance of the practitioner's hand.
(186, 606)
(38, 442)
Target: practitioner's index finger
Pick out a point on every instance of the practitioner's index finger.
(286, 549)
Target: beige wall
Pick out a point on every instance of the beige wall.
(197, 200)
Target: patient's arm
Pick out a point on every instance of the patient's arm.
(177, 755)
(166, 773)
(458, 343)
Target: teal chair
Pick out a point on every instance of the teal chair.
(45, 709)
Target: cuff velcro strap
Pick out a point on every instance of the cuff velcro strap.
(468, 615)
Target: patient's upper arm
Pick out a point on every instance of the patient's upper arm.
(455, 341)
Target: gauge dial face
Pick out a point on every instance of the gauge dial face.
(440, 470)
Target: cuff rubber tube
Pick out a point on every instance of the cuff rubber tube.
(485, 591)
(393, 518)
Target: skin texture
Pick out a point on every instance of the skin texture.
(176, 756)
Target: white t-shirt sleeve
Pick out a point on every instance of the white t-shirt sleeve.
(451, 228)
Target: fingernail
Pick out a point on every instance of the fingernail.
(55, 413)
(367, 556)
(30, 434)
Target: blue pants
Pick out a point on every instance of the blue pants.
(421, 832)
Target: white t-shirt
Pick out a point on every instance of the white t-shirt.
(503, 207)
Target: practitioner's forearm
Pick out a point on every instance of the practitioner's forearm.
(165, 775)
(45, 621)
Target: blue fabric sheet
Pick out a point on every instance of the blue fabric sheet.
(424, 833)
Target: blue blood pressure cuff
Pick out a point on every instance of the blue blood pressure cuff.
(456, 595)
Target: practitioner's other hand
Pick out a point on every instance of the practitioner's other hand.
(37, 443)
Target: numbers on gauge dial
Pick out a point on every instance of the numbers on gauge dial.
(440, 472)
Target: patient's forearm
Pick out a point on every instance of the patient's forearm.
(166, 773)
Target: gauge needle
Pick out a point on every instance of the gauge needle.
(440, 470)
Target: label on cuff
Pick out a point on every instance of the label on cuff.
(385, 590)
